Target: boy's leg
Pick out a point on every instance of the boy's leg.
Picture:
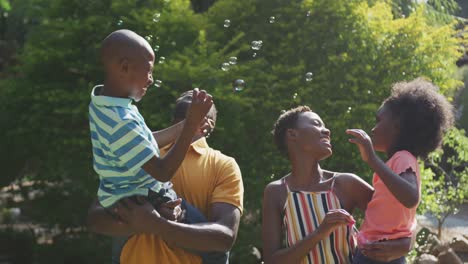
(117, 245)
(359, 258)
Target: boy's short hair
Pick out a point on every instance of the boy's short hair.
(424, 115)
(287, 120)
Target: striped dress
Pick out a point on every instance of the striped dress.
(303, 212)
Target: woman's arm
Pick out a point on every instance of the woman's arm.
(386, 251)
(271, 229)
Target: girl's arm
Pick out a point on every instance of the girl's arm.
(272, 231)
(404, 187)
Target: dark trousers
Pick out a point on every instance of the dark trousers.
(359, 258)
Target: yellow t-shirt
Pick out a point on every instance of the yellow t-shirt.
(205, 176)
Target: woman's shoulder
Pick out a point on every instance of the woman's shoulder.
(275, 186)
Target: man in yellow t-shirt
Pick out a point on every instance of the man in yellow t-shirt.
(206, 179)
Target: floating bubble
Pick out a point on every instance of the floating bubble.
(173, 43)
(369, 92)
(156, 17)
(308, 14)
(157, 83)
(294, 96)
(272, 19)
(254, 55)
(404, 73)
(238, 85)
(149, 38)
(225, 66)
(227, 23)
(156, 48)
(120, 22)
(233, 60)
(162, 60)
(256, 44)
(349, 109)
(309, 76)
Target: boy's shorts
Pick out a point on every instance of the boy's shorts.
(359, 258)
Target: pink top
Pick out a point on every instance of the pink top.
(386, 217)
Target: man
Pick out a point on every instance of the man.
(207, 179)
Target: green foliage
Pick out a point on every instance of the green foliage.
(445, 177)
(355, 52)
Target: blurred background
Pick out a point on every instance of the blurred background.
(339, 57)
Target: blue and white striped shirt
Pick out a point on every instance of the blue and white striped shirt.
(122, 143)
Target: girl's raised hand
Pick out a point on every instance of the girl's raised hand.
(363, 141)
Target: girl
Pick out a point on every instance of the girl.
(409, 124)
(310, 207)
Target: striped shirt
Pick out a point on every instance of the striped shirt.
(303, 213)
(122, 143)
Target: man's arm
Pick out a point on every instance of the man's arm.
(101, 221)
(168, 135)
(218, 235)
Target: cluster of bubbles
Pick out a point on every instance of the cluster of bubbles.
(227, 65)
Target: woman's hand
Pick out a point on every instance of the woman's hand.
(388, 250)
(333, 219)
(364, 142)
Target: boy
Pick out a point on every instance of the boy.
(125, 151)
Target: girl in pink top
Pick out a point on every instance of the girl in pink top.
(409, 124)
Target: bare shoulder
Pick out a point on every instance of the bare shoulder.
(275, 193)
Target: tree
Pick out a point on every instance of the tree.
(445, 178)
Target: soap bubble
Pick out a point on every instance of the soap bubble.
(272, 19)
(149, 38)
(308, 76)
(162, 60)
(233, 60)
(294, 96)
(156, 48)
(156, 17)
(227, 23)
(120, 22)
(238, 85)
(225, 66)
(157, 83)
(254, 55)
(256, 44)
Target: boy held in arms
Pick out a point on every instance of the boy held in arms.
(125, 151)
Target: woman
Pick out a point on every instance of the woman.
(310, 207)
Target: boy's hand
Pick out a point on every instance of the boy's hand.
(137, 215)
(200, 106)
(171, 210)
(364, 142)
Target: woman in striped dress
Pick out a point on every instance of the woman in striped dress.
(306, 214)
